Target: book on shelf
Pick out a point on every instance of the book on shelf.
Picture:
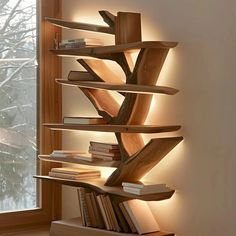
(110, 212)
(115, 201)
(104, 150)
(63, 153)
(83, 40)
(108, 154)
(84, 120)
(73, 176)
(97, 211)
(86, 221)
(143, 185)
(74, 173)
(127, 218)
(141, 216)
(80, 43)
(139, 191)
(106, 158)
(104, 145)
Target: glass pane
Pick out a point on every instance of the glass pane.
(18, 190)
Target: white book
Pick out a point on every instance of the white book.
(141, 216)
(139, 191)
(143, 185)
(74, 171)
(66, 152)
(84, 120)
(83, 40)
(73, 177)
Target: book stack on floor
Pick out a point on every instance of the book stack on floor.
(79, 43)
(143, 188)
(105, 151)
(74, 173)
(109, 212)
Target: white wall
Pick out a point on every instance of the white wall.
(202, 67)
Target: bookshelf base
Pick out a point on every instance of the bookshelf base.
(73, 227)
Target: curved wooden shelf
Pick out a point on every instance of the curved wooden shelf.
(74, 160)
(128, 88)
(104, 50)
(98, 186)
(75, 225)
(80, 26)
(114, 128)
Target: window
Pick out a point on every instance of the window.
(18, 80)
(21, 203)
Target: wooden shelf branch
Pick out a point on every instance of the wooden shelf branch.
(98, 186)
(73, 160)
(100, 69)
(109, 18)
(115, 128)
(142, 162)
(128, 88)
(97, 52)
(104, 103)
(80, 26)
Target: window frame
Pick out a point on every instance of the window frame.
(49, 110)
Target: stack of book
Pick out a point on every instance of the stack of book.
(104, 211)
(105, 151)
(66, 154)
(80, 42)
(84, 120)
(74, 173)
(143, 188)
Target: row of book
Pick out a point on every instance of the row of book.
(111, 213)
(74, 173)
(79, 43)
(97, 151)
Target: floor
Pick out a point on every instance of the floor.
(40, 232)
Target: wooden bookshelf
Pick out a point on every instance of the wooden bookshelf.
(74, 160)
(98, 185)
(73, 227)
(128, 88)
(127, 119)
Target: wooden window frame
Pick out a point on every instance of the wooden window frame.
(49, 110)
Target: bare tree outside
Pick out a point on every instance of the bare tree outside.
(17, 104)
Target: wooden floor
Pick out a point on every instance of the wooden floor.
(39, 232)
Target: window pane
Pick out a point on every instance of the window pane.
(18, 104)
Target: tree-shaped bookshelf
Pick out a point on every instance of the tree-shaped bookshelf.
(125, 120)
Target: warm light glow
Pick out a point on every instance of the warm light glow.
(167, 75)
(165, 171)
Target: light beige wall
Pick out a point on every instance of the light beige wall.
(202, 67)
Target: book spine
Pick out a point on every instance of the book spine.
(97, 212)
(90, 209)
(104, 203)
(127, 217)
(109, 154)
(84, 207)
(81, 207)
(103, 211)
(113, 216)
